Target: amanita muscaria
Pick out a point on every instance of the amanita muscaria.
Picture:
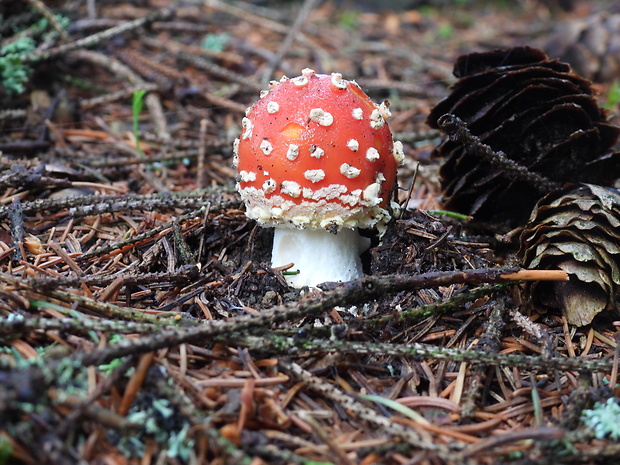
(316, 161)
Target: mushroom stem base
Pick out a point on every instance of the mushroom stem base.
(318, 255)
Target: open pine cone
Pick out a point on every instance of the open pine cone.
(576, 229)
(538, 114)
(591, 45)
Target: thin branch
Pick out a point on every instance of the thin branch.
(291, 35)
(415, 314)
(51, 18)
(420, 351)
(163, 14)
(489, 343)
(457, 129)
(355, 407)
(99, 204)
(349, 293)
(117, 247)
(105, 309)
(16, 324)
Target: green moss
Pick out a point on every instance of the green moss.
(613, 96)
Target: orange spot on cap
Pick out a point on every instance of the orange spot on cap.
(292, 131)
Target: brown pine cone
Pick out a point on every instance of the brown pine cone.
(576, 229)
(534, 111)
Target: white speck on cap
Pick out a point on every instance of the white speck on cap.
(353, 145)
(247, 176)
(321, 116)
(290, 188)
(376, 120)
(331, 222)
(358, 113)
(269, 186)
(399, 152)
(351, 199)
(349, 171)
(248, 126)
(273, 107)
(314, 175)
(316, 152)
(372, 154)
(338, 82)
(384, 109)
(300, 81)
(371, 193)
(263, 93)
(307, 71)
(292, 152)
(235, 161)
(331, 192)
(266, 147)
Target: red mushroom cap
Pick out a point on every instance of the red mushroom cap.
(315, 152)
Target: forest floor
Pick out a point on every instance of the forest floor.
(140, 321)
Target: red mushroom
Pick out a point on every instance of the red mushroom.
(316, 160)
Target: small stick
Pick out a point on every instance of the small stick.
(221, 72)
(51, 18)
(158, 117)
(99, 204)
(613, 377)
(489, 342)
(16, 216)
(202, 152)
(537, 275)
(457, 129)
(292, 34)
(66, 258)
(112, 97)
(544, 434)
(159, 15)
(405, 202)
(122, 246)
(120, 70)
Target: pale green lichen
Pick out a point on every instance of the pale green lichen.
(14, 68)
(604, 419)
(14, 73)
(157, 418)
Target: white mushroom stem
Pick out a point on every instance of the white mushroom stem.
(318, 256)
